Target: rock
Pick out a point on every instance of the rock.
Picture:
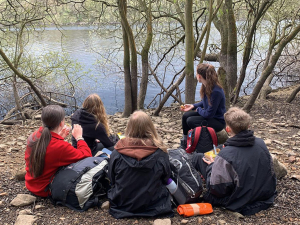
(273, 131)
(222, 136)
(268, 141)
(105, 205)
(184, 221)
(292, 159)
(39, 207)
(20, 175)
(200, 220)
(3, 194)
(25, 220)
(3, 146)
(25, 212)
(280, 143)
(22, 200)
(162, 222)
(279, 169)
(21, 138)
(297, 177)
(165, 120)
(38, 117)
(2, 164)
(221, 222)
(2, 203)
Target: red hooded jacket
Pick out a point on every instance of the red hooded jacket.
(58, 153)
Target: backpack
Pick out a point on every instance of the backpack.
(80, 185)
(186, 177)
(201, 139)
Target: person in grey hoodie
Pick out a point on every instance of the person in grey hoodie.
(139, 169)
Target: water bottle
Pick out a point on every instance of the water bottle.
(172, 186)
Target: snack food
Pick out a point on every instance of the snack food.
(182, 106)
(211, 153)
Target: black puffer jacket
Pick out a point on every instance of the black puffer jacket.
(138, 176)
(242, 178)
(90, 132)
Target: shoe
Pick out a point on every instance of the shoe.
(183, 144)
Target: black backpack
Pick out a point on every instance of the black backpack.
(188, 180)
(80, 185)
(201, 139)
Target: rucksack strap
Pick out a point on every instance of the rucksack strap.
(196, 137)
(213, 135)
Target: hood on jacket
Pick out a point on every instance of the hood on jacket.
(135, 148)
(244, 138)
(81, 116)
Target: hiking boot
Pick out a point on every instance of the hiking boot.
(183, 144)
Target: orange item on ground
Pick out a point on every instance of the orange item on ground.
(195, 209)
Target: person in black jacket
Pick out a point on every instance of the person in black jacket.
(139, 169)
(93, 120)
(241, 178)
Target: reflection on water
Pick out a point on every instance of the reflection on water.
(105, 75)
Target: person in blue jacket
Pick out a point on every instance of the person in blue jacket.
(212, 106)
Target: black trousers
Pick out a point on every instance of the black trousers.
(192, 119)
(199, 164)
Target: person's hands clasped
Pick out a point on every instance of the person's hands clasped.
(208, 161)
(186, 107)
(77, 131)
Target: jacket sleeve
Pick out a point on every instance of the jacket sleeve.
(101, 135)
(197, 105)
(69, 154)
(221, 178)
(215, 99)
(166, 169)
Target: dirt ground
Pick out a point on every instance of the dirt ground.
(277, 122)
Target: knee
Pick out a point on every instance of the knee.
(185, 116)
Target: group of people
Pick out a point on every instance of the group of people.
(241, 177)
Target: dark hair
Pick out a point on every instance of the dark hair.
(208, 73)
(52, 115)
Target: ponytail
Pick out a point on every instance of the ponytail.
(52, 115)
(38, 152)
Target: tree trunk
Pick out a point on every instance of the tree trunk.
(222, 77)
(122, 5)
(293, 95)
(268, 70)
(144, 54)
(248, 47)
(189, 53)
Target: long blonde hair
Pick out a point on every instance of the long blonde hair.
(94, 105)
(141, 126)
(208, 73)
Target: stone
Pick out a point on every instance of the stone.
(162, 222)
(3, 194)
(292, 159)
(280, 143)
(268, 141)
(297, 177)
(273, 131)
(200, 221)
(25, 212)
(25, 220)
(2, 203)
(20, 175)
(22, 200)
(39, 207)
(279, 169)
(165, 120)
(184, 221)
(221, 222)
(105, 205)
(3, 146)
(222, 136)
(38, 117)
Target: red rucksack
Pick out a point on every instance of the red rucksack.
(201, 139)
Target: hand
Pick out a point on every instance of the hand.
(77, 131)
(208, 161)
(187, 107)
(64, 132)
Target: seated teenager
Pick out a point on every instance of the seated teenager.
(241, 177)
(210, 109)
(93, 119)
(139, 169)
(47, 151)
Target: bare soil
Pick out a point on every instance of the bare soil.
(277, 122)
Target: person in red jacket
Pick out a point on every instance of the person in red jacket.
(46, 150)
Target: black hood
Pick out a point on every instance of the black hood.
(244, 138)
(81, 116)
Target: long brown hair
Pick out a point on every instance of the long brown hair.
(141, 126)
(52, 115)
(208, 73)
(94, 105)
